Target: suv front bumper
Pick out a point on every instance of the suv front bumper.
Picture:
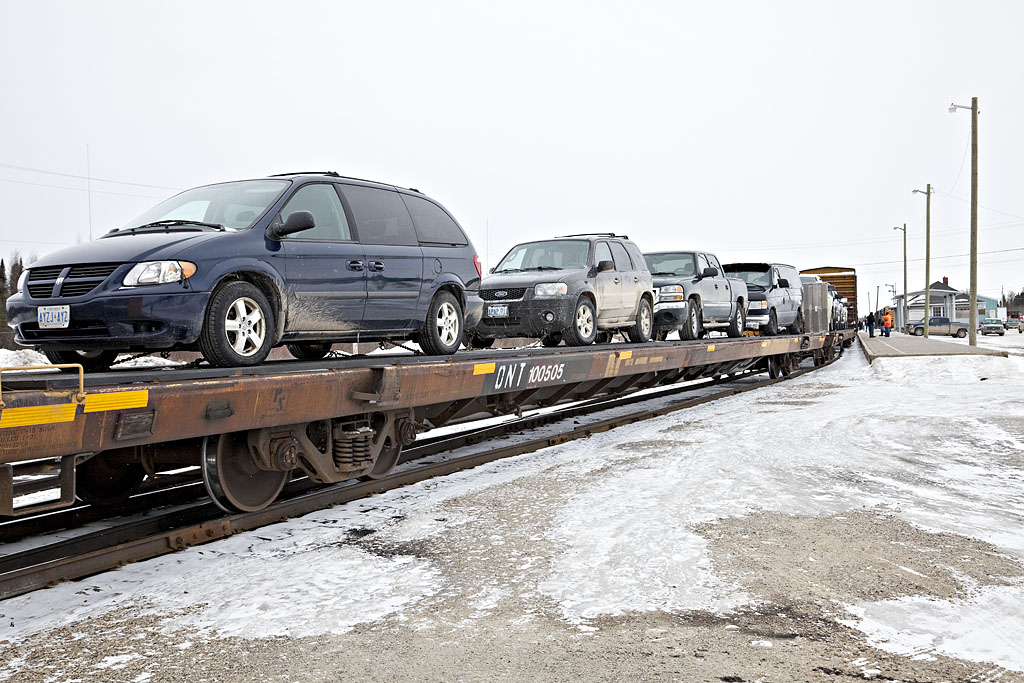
(527, 318)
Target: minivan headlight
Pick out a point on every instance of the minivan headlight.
(550, 289)
(21, 281)
(158, 273)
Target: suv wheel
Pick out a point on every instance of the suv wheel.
(772, 328)
(693, 327)
(738, 322)
(442, 334)
(89, 360)
(641, 332)
(583, 328)
(238, 329)
(309, 350)
(798, 325)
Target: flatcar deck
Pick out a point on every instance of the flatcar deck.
(389, 396)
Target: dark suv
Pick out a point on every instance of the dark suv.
(237, 268)
(579, 288)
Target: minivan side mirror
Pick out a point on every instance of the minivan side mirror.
(490, 271)
(297, 221)
(784, 283)
(710, 271)
(605, 265)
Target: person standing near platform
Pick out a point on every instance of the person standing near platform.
(871, 323)
(887, 322)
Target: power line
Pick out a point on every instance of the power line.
(83, 177)
(81, 189)
(935, 258)
(987, 208)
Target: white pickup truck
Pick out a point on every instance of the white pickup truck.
(695, 295)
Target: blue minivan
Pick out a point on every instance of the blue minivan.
(235, 269)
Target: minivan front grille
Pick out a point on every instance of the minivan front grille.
(79, 281)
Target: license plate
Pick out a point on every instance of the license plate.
(51, 317)
(497, 311)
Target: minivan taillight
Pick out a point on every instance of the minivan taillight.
(479, 270)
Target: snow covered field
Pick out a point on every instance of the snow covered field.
(633, 522)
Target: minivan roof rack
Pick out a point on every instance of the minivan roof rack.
(597, 234)
(332, 174)
(335, 174)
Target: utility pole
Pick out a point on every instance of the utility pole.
(974, 222)
(927, 256)
(905, 308)
(974, 217)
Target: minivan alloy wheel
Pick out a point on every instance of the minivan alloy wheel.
(245, 326)
(447, 323)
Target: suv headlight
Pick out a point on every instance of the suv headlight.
(159, 273)
(671, 293)
(550, 289)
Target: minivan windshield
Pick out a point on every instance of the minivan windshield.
(548, 255)
(235, 206)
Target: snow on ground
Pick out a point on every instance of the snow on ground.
(937, 442)
(10, 358)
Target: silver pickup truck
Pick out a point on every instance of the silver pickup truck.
(937, 325)
(694, 295)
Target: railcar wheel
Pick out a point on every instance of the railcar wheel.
(101, 480)
(774, 368)
(232, 478)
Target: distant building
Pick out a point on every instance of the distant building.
(944, 301)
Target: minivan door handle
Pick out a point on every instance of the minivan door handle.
(376, 266)
(354, 265)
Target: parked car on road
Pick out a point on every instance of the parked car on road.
(783, 292)
(695, 295)
(938, 325)
(237, 268)
(992, 326)
(578, 289)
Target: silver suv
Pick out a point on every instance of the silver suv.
(782, 307)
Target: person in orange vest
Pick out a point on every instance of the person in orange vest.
(887, 322)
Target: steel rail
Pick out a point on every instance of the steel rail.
(46, 565)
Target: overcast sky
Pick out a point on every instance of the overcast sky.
(786, 131)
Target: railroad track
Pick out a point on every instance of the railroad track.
(196, 520)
